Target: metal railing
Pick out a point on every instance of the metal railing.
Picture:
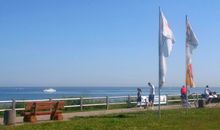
(94, 101)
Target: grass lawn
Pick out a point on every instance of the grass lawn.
(192, 119)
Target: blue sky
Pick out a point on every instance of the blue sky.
(103, 42)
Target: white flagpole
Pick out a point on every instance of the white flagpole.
(159, 84)
(186, 62)
(166, 41)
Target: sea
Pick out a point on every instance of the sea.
(8, 93)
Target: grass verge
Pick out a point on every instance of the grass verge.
(180, 119)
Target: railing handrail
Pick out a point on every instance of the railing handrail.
(61, 99)
(6, 101)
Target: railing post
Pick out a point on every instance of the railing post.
(166, 99)
(197, 99)
(50, 100)
(81, 103)
(13, 105)
(129, 101)
(107, 102)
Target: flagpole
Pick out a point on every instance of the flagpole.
(159, 85)
(186, 63)
(191, 43)
(166, 41)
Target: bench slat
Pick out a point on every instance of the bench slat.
(39, 108)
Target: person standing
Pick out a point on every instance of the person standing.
(139, 93)
(183, 92)
(183, 96)
(151, 94)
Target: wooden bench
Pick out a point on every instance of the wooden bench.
(52, 108)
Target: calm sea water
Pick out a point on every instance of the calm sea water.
(7, 93)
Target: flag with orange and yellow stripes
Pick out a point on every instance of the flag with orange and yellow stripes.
(191, 44)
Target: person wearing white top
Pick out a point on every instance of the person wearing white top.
(151, 94)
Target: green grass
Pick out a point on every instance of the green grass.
(181, 119)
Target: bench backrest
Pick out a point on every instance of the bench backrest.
(44, 106)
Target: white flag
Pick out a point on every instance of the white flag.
(166, 41)
(191, 44)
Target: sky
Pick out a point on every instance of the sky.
(104, 42)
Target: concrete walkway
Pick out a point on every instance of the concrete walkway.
(68, 116)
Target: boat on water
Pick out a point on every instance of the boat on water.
(49, 90)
